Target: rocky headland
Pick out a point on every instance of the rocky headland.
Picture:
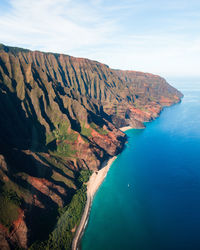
(60, 120)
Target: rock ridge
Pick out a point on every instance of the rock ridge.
(61, 115)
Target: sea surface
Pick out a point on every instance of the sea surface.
(150, 199)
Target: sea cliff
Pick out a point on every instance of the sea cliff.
(60, 120)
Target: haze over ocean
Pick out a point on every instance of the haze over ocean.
(150, 199)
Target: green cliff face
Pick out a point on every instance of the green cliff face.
(60, 115)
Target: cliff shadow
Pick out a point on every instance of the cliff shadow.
(16, 128)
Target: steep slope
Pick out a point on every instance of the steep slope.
(60, 115)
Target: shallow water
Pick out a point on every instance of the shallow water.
(150, 199)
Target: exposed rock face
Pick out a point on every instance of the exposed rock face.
(60, 114)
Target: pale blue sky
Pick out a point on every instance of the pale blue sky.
(162, 37)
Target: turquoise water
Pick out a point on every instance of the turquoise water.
(150, 199)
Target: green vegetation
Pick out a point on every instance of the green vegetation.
(11, 196)
(60, 163)
(84, 176)
(61, 133)
(21, 192)
(39, 144)
(85, 131)
(57, 140)
(9, 206)
(61, 172)
(100, 130)
(70, 216)
(64, 149)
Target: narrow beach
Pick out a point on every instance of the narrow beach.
(92, 186)
(123, 129)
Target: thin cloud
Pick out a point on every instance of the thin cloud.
(140, 35)
(49, 24)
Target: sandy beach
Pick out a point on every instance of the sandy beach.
(125, 128)
(97, 178)
(92, 186)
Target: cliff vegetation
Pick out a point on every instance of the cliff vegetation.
(60, 119)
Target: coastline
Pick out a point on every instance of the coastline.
(123, 129)
(93, 184)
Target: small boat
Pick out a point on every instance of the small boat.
(128, 185)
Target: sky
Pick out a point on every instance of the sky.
(157, 36)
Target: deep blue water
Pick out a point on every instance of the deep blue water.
(150, 199)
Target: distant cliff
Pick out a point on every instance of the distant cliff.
(59, 115)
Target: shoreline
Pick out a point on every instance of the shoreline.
(123, 129)
(93, 185)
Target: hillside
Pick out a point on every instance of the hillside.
(60, 118)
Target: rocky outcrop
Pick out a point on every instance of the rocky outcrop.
(61, 114)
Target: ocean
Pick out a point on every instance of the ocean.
(150, 199)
